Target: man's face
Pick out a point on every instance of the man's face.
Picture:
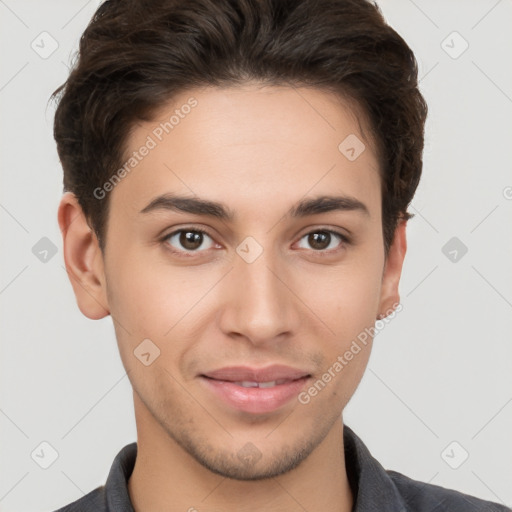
(261, 289)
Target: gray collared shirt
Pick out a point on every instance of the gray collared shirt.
(375, 489)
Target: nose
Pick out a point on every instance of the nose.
(259, 303)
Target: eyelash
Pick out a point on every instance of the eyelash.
(345, 240)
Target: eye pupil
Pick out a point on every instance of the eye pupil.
(191, 239)
(316, 239)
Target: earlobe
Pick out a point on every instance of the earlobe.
(83, 259)
(390, 295)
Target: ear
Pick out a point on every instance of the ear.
(389, 296)
(83, 259)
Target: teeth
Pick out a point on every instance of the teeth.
(247, 384)
(252, 384)
(270, 384)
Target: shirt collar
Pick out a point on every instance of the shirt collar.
(372, 488)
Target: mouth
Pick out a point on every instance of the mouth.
(255, 391)
(254, 384)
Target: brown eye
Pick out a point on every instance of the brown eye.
(320, 240)
(187, 240)
(324, 240)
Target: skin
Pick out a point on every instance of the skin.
(259, 150)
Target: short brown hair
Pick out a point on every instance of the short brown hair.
(135, 55)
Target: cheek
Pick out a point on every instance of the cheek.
(145, 297)
(145, 308)
(160, 303)
(346, 298)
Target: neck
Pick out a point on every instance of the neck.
(167, 478)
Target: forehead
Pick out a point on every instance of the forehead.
(252, 143)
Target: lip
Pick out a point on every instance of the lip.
(269, 373)
(225, 383)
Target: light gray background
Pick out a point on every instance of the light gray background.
(440, 372)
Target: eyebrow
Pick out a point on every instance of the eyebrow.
(305, 207)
